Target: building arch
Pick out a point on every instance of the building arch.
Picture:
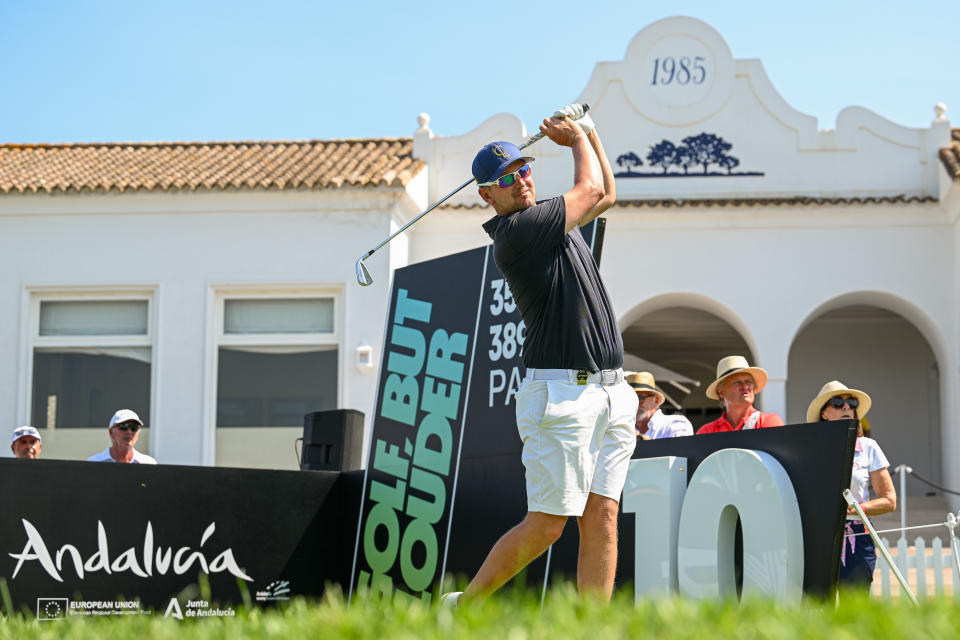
(891, 302)
(891, 349)
(694, 301)
(687, 333)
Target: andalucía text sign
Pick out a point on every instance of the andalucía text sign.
(89, 538)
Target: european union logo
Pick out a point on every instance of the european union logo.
(52, 608)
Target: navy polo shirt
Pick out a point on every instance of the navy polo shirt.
(555, 282)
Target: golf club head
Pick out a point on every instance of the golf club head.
(363, 276)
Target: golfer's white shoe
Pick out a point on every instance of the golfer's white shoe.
(450, 599)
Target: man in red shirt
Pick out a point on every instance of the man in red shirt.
(736, 386)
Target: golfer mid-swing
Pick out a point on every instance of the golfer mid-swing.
(575, 413)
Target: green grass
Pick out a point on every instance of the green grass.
(517, 615)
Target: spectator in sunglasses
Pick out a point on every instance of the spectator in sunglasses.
(871, 470)
(125, 428)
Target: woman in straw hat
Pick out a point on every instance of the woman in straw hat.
(858, 557)
(736, 387)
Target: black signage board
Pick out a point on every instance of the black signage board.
(817, 457)
(99, 532)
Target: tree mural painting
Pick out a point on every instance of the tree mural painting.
(729, 163)
(707, 148)
(704, 149)
(663, 154)
(685, 158)
(629, 160)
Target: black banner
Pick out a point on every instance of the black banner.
(89, 535)
(418, 422)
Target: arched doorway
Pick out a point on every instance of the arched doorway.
(882, 353)
(689, 341)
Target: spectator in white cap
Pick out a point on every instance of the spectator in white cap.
(652, 423)
(26, 443)
(737, 386)
(125, 428)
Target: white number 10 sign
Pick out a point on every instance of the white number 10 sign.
(684, 536)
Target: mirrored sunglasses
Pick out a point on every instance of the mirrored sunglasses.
(507, 179)
(837, 402)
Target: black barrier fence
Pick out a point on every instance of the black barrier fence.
(817, 457)
(96, 532)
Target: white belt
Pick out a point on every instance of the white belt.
(578, 376)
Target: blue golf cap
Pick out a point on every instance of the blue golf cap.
(493, 158)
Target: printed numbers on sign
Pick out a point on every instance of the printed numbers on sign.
(502, 298)
(505, 340)
(669, 70)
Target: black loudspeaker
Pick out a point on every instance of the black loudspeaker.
(332, 440)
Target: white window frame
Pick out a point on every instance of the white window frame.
(30, 327)
(216, 299)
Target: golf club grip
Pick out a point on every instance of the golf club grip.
(540, 134)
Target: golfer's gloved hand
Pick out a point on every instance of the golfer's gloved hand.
(575, 112)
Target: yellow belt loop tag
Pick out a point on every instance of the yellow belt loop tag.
(582, 377)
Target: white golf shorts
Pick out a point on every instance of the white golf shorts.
(577, 440)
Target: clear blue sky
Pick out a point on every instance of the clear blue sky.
(105, 70)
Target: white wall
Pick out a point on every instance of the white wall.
(186, 247)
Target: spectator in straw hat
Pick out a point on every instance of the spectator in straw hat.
(736, 387)
(26, 443)
(858, 558)
(652, 423)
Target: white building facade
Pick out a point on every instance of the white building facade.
(740, 227)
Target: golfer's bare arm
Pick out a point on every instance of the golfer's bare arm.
(587, 191)
(609, 183)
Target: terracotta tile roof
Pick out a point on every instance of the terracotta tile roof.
(950, 156)
(207, 166)
(795, 201)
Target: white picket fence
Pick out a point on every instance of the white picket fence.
(930, 571)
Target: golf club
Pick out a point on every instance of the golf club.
(363, 275)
